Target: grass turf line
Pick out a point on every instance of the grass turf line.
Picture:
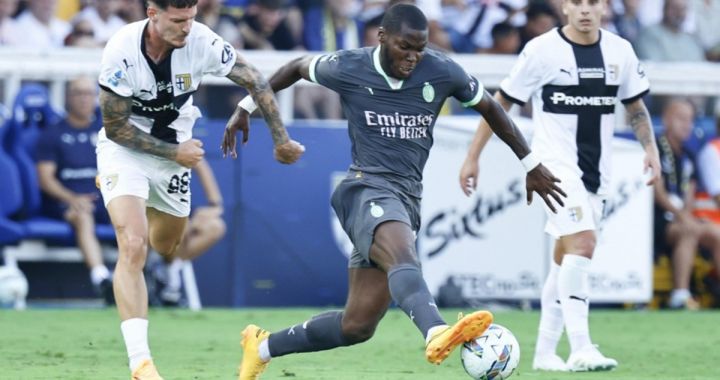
(87, 344)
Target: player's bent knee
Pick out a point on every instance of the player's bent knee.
(358, 332)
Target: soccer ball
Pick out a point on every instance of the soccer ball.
(492, 356)
(13, 287)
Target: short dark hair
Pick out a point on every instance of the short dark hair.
(501, 30)
(164, 4)
(400, 14)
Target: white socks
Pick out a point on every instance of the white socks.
(98, 273)
(678, 298)
(432, 331)
(264, 351)
(573, 289)
(174, 269)
(134, 332)
(551, 315)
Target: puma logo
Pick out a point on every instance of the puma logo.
(578, 298)
(566, 72)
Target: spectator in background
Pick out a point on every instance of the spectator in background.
(330, 26)
(677, 230)
(627, 23)
(82, 35)
(471, 29)
(67, 167)
(103, 18)
(506, 39)
(707, 14)
(370, 31)
(264, 27)
(9, 33)
(667, 42)
(38, 26)
(204, 229)
(131, 10)
(708, 161)
(225, 25)
(541, 17)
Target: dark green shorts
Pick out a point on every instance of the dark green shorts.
(362, 202)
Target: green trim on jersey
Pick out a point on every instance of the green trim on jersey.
(392, 82)
(313, 65)
(478, 96)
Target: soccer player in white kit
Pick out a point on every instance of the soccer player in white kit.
(149, 72)
(574, 75)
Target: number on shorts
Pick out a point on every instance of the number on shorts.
(179, 184)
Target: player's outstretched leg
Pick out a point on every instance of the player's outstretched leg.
(467, 328)
(146, 371)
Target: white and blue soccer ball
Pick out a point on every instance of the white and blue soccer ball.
(13, 287)
(492, 356)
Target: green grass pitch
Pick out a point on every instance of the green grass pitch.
(86, 344)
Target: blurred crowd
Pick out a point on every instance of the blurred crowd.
(671, 30)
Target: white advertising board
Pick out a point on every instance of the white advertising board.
(493, 244)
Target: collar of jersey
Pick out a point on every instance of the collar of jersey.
(394, 84)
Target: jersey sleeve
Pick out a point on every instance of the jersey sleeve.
(219, 55)
(465, 87)
(708, 162)
(635, 83)
(526, 76)
(114, 74)
(326, 70)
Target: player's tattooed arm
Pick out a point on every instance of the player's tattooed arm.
(246, 75)
(639, 119)
(115, 114)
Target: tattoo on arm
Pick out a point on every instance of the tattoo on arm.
(115, 114)
(639, 120)
(246, 75)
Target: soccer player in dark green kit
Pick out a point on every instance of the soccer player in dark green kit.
(391, 96)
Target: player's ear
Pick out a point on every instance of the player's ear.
(381, 35)
(151, 11)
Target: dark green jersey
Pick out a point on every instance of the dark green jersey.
(390, 121)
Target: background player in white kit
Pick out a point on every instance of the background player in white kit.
(574, 74)
(145, 151)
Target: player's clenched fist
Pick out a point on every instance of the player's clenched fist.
(189, 153)
(289, 152)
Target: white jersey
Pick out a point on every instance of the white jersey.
(162, 93)
(574, 89)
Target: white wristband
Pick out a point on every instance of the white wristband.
(530, 162)
(248, 104)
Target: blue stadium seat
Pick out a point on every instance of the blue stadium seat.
(31, 113)
(10, 194)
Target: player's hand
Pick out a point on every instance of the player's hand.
(189, 153)
(652, 164)
(469, 176)
(289, 152)
(239, 121)
(543, 182)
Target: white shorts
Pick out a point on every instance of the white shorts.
(583, 210)
(164, 184)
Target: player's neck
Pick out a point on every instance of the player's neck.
(155, 47)
(579, 37)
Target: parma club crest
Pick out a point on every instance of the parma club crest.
(183, 82)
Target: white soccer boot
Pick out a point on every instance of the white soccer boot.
(590, 359)
(549, 362)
